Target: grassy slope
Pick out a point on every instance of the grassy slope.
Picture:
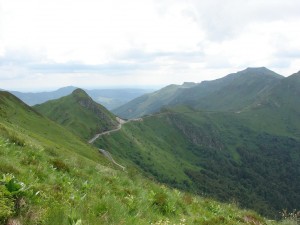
(79, 114)
(278, 112)
(150, 103)
(216, 154)
(67, 181)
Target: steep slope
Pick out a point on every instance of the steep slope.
(220, 94)
(237, 90)
(79, 113)
(278, 110)
(216, 154)
(150, 103)
(26, 122)
(48, 176)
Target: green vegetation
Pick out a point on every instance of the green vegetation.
(215, 154)
(226, 138)
(79, 114)
(230, 93)
(151, 103)
(49, 176)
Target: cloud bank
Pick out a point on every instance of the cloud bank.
(49, 44)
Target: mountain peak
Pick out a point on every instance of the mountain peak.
(260, 70)
(80, 93)
(257, 69)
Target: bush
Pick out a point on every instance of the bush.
(6, 204)
(163, 203)
(17, 140)
(60, 165)
(11, 191)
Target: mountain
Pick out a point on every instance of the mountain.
(217, 154)
(152, 102)
(49, 176)
(79, 113)
(220, 94)
(113, 98)
(21, 122)
(248, 85)
(278, 110)
(110, 98)
(226, 151)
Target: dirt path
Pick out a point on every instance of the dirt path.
(108, 155)
(121, 122)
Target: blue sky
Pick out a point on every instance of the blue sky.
(138, 43)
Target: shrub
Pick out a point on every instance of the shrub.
(6, 204)
(60, 165)
(11, 192)
(17, 140)
(163, 203)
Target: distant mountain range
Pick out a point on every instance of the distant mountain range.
(237, 137)
(232, 92)
(110, 98)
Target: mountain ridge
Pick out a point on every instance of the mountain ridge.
(79, 113)
(218, 94)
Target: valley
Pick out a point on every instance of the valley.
(201, 162)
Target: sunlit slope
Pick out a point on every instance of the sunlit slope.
(25, 121)
(79, 114)
(48, 176)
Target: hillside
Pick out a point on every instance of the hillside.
(152, 102)
(215, 154)
(79, 114)
(109, 98)
(49, 176)
(278, 110)
(216, 95)
(241, 132)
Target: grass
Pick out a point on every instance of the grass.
(95, 194)
(49, 176)
(216, 154)
(79, 114)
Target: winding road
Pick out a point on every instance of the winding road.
(121, 122)
(106, 153)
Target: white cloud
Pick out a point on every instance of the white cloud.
(135, 42)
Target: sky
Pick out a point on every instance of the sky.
(47, 44)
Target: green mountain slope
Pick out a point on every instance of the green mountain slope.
(238, 90)
(153, 102)
(232, 92)
(226, 155)
(278, 110)
(79, 113)
(26, 122)
(49, 176)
